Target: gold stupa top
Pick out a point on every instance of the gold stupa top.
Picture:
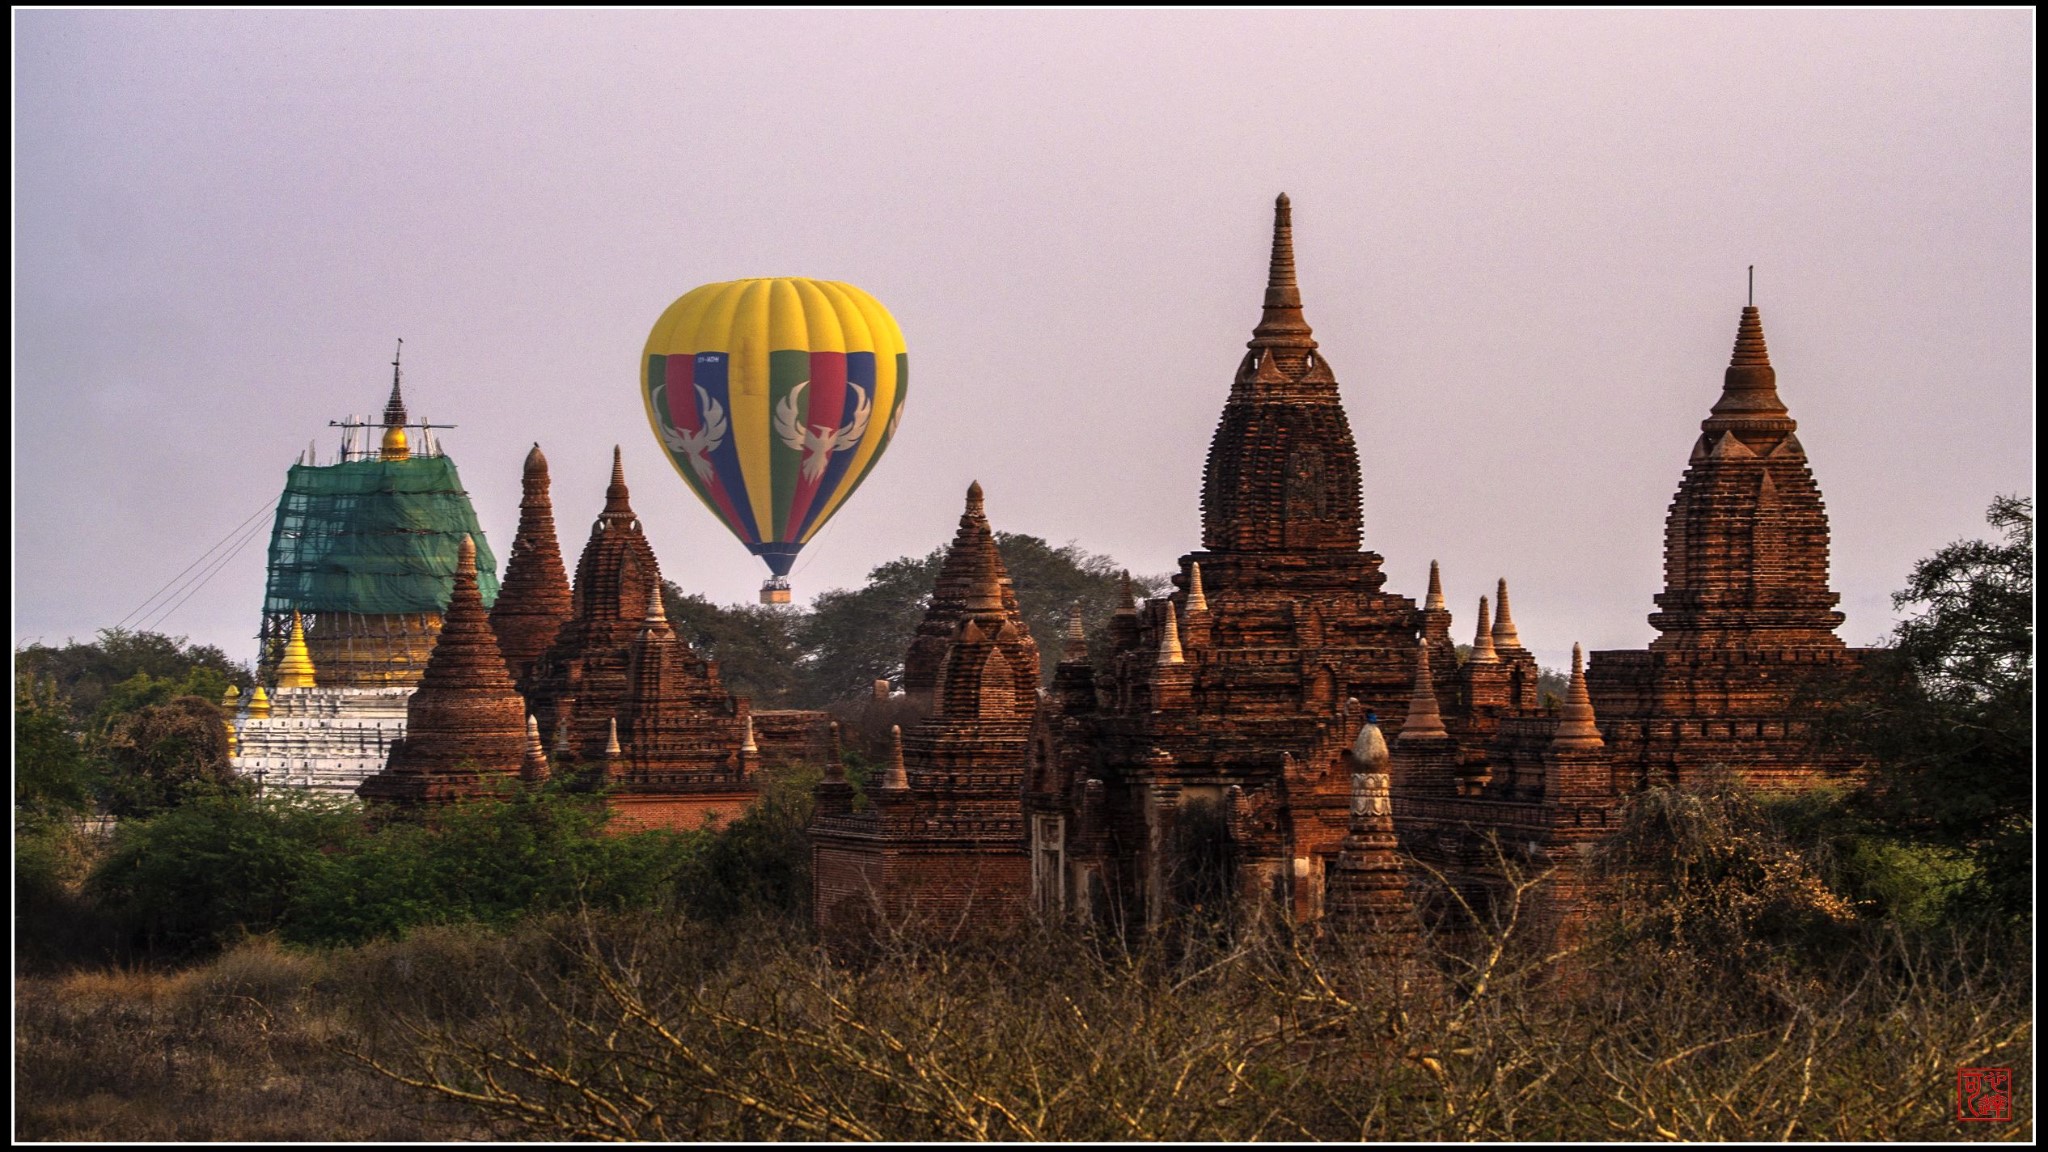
(295, 670)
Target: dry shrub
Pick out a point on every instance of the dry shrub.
(646, 1029)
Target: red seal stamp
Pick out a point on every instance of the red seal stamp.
(1983, 1094)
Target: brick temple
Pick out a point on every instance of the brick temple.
(602, 692)
(1281, 730)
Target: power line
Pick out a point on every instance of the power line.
(210, 573)
(178, 580)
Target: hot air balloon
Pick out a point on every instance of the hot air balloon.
(774, 399)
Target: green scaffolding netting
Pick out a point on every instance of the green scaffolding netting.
(373, 537)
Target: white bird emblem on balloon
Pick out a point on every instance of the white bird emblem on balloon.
(819, 441)
(698, 446)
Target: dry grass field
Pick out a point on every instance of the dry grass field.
(651, 1027)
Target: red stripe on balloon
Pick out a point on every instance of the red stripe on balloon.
(827, 410)
(680, 372)
(682, 393)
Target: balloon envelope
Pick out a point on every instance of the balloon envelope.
(774, 399)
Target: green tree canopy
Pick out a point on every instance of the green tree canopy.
(1945, 711)
(854, 637)
(122, 670)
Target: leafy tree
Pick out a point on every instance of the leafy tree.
(854, 637)
(53, 775)
(198, 875)
(1945, 712)
(99, 680)
(760, 862)
(755, 644)
(163, 753)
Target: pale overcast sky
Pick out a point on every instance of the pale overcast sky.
(1522, 240)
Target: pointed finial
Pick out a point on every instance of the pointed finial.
(1577, 729)
(295, 669)
(536, 465)
(617, 501)
(1425, 720)
(394, 408)
(1749, 404)
(1281, 289)
(259, 703)
(1126, 605)
(1482, 644)
(562, 736)
(985, 592)
(1504, 634)
(1750, 351)
(534, 767)
(1434, 602)
(1169, 639)
(974, 504)
(747, 744)
(1074, 644)
(1197, 601)
(612, 750)
(1752, 285)
(657, 614)
(896, 778)
(1282, 326)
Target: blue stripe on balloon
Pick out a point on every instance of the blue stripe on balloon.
(860, 372)
(711, 374)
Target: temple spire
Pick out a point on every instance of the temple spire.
(1576, 729)
(1482, 641)
(295, 669)
(535, 767)
(465, 721)
(1283, 327)
(534, 598)
(617, 503)
(1434, 602)
(1749, 400)
(1169, 639)
(1126, 604)
(1425, 720)
(395, 446)
(1504, 634)
(394, 408)
(985, 581)
(1074, 645)
(1197, 601)
(896, 778)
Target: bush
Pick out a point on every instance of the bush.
(214, 869)
(761, 862)
(492, 860)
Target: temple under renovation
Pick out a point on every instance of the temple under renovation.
(1284, 730)
(363, 556)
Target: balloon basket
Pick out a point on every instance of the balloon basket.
(775, 591)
